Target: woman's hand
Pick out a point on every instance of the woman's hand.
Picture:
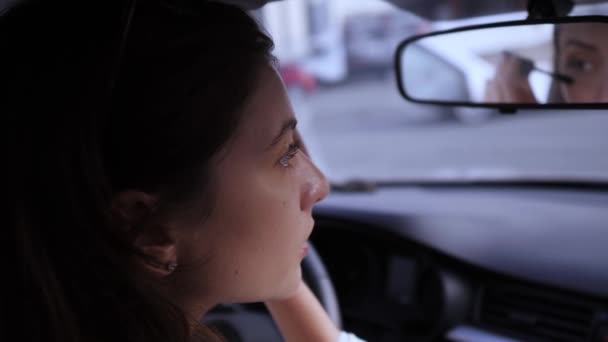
(510, 83)
(302, 318)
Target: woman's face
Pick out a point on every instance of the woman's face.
(583, 55)
(250, 246)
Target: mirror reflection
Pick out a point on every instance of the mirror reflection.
(525, 64)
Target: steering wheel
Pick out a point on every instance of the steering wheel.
(253, 323)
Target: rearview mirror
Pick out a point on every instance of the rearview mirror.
(547, 63)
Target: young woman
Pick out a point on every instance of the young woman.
(154, 171)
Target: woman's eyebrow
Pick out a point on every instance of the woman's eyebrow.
(289, 124)
(581, 44)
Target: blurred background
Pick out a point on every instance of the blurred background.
(337, 61)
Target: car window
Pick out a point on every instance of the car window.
(357, 126)
(450, 81)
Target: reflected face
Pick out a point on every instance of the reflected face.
(583, 55)
(251, 245)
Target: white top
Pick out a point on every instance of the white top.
(348, 337)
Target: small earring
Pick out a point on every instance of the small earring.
(171, 266)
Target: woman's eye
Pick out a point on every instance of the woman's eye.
(292, 150)
(578, 65)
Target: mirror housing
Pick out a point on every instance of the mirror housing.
(509, 65)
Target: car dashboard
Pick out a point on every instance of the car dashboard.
(468, 263)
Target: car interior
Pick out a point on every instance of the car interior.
(465, 256)
(486, 219)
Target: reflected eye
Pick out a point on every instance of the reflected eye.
(578, 65)
(293, 149)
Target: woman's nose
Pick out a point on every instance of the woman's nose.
(316, 187)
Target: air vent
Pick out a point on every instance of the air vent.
(534, 315)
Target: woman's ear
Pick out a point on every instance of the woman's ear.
(134, 214)
(156, 245)
(130, 207)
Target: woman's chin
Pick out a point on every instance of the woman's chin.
(289, 285)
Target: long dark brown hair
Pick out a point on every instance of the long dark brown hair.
(81, 125)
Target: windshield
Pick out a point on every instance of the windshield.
(336, 58)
